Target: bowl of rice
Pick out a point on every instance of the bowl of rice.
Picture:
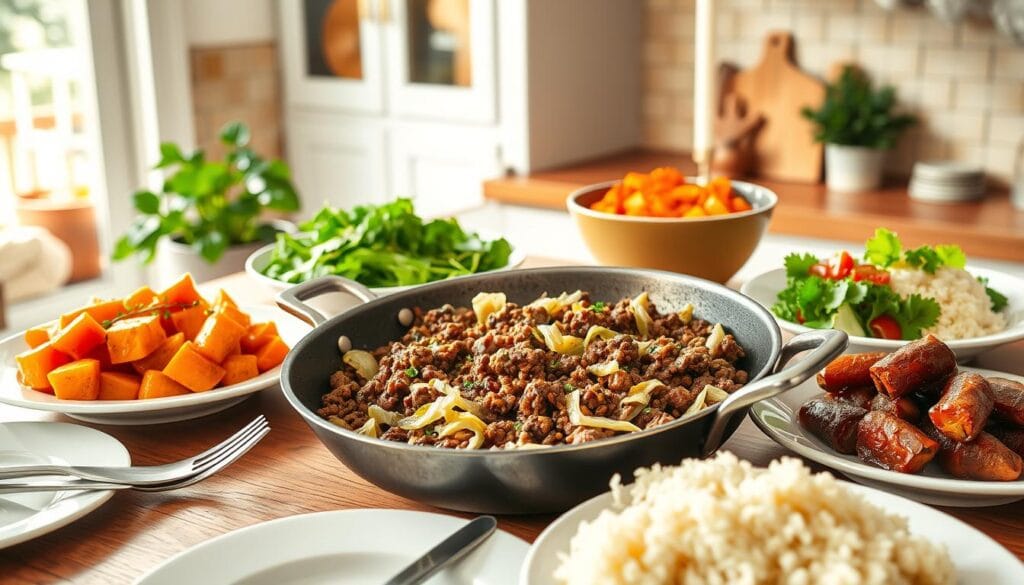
(722, 520)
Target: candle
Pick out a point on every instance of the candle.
(704, 81)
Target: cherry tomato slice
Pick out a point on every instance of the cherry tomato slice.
(880, 277)
(886, 327)
(843, 266)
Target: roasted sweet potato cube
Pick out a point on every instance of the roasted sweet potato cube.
(272, 354)
(36, 336)
(79, 337)
(223, 299)
(239, 368)
(77, 380)
(156, 385)
(182, 292)
(36, 363)
(189, 321)
(140, 299)
(892, 443)
(235, 314)
(219, 335)
(160, 357)
(193, 370)
(118, 386)
(134, 339)
(257, 336)
(102, 311)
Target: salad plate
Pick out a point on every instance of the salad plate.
(976, 557)
(343, 546)
(26, 516)
(141, 412)
(777, 417)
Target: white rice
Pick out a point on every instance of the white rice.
(724, 521)
(966, 309)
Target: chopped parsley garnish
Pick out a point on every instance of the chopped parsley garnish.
(412, 372)
(598, 307)
(567, 387)
(468, 384)
(518, 425)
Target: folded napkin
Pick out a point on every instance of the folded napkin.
(32, 262)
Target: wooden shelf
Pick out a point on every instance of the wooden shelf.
(991, 228)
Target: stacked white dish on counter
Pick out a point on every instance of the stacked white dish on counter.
(947, 182)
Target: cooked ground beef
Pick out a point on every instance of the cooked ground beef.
(521, 386)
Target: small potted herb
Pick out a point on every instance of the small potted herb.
(208, 217)
(858, 125)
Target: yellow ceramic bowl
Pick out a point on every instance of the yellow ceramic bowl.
(713, 247)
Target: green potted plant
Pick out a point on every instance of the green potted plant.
(208, 217)
(858, 124)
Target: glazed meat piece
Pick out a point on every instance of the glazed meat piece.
(833, 422)
(902, 407)
(861, 396)
(985, 458)
(963, 409)
(1009, 399)
(892, 443)
(848, 371)
(919, 365)
(1012, 438)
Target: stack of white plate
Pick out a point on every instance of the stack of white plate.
(947, 182)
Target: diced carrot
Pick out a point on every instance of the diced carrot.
(635, 204)
(80, 336)
(714, 206)
(193, 370)
(36, 363)
(740, 204)
(118, 386)
(36, 336)
(182, 292)
(239, 368)
(272, 354)
(695, 211)
(134, 339)
(78, 380)
(157, 385)
(160, 357)
(190, 321)
(102, 311)
(141, 298)
(218, 337)
(257, 336)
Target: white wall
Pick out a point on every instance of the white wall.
(214, 23)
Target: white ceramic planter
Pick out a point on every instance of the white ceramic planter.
(174, 258)
(853, 168)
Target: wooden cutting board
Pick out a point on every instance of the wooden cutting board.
(784, 147)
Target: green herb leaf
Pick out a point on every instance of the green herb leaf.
(169, 155)
(916, 313)
(951, 255)
(567, 387)
(799, 265)
(211, 246)
(996, 298)
(146, 202)
(235, 134)
(598, 307)
(884, 249)
(412, 372)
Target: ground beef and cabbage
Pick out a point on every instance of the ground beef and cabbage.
(560, 370)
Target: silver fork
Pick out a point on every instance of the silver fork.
(140, 475)
(215, 464)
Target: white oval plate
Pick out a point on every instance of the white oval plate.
(258, 260)
(344, 546)
(142, 412)
(26, 516)
(977, 558)
(777, 417)
(765, 288)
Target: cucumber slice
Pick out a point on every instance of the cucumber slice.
(846, 320)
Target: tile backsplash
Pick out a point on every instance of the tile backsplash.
(237, 83)
(965, 82)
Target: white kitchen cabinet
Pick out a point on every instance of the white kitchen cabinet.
(435, 96)
(337, 159)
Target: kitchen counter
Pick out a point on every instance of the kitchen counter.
(991, 228)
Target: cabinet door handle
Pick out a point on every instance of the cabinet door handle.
(384, 12)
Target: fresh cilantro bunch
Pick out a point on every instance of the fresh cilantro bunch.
(381, 246)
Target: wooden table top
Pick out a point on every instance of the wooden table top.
(290, 472)
(991, 228)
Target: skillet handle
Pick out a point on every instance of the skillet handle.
(293, 299)
(825, 346)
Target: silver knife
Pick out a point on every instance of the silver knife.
(451, 549)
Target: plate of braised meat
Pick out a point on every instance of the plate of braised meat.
(912, 422)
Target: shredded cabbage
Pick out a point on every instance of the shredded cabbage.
(714, 342)
(362, 361)
(563, 344)
(383, 417)
(457, 399)
(369, 428)
(577, 417)
(638, 306)
(605, 369)
(464, 420)
(554, 305)
(638, 397)
(440, 408)
(596, 331)
(486, 303)
(646, 347)
(686, 314)
(426, 414)
(715, 394)
(334, 420)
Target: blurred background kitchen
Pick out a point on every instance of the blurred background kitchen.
(494, 112)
